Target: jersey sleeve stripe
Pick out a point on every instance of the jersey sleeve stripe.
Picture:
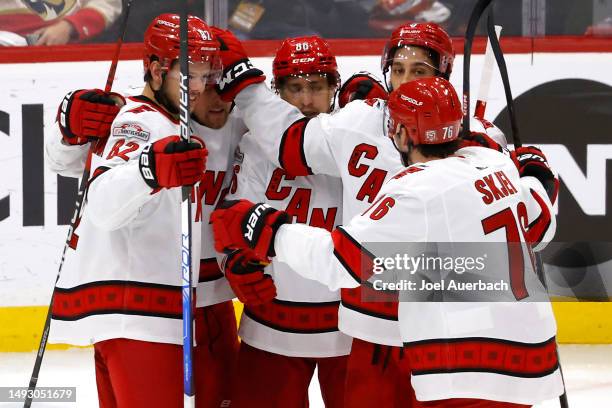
(97, 173)
(555, 194)
(481, 354)
(537, 229)
(369, 301)
(291, 156)
(357, 260)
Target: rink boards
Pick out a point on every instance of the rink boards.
(33, 217)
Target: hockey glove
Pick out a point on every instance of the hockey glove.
(238, 71)
(87, 114)
(530, 161)
(361, 86)
(479, 140)
(239, 224)
(172, 162)
(247, 279)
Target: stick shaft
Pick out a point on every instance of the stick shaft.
(111, 72)
(470, 31)
(186, 236)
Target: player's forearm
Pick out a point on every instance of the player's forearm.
(116, 197)
(267, 116)
(66, 160)
(310, 252)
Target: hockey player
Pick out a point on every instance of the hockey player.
(120, 287)
(461, 354)
(349, 144)
(290, 330)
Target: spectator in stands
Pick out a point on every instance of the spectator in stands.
(48, 22)
(387, 15)
(265, 19)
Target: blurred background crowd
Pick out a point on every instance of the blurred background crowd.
(55, 22)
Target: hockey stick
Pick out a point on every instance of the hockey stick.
(485, 79)
(501, 63)
(503, 71)
(477, 13)
(186, 269)
(73, 222)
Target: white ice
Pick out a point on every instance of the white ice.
(587, 369)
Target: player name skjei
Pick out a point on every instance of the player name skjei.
(451, 284)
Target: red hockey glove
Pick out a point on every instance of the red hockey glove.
(530, 161)
(238, 71)
(172, 162)
(247, 279)
(361, 86)
(87, 114)
(479, 140)
(239, 224)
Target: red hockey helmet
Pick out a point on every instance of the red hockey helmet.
(426, 35)
(428, 108)
(162, 41)
(304, 56)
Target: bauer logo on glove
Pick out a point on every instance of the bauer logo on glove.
(239, 224)
(253, 220)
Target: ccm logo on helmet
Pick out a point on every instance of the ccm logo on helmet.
(412, 101)
(252, 221)
(234, 73)
(302, 60)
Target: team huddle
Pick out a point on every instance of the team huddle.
(286, 191)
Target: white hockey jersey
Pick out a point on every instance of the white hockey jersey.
(121, 277)
(501, 351)
(350, 144)
(221, 144)
(303, 319)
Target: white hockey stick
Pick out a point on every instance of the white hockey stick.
(485, 78)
